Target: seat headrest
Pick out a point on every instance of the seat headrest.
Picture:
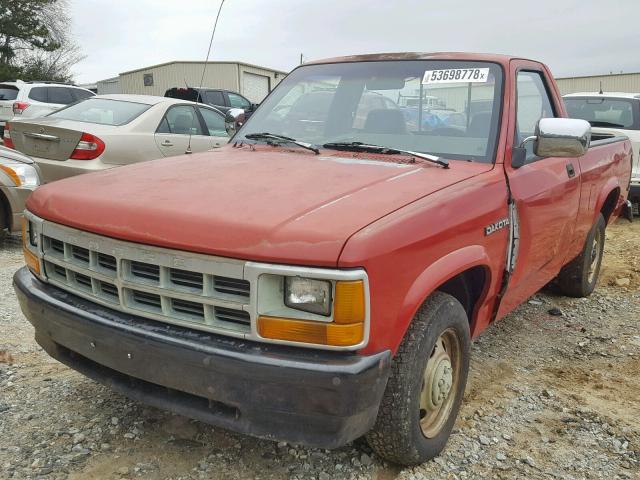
(183, 123)
(385, 121)
(480, 125)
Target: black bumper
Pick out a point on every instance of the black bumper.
(322, 399)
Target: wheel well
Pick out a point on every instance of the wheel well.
(609, 204)
(467, 288)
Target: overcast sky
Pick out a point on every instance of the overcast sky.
(574, 37)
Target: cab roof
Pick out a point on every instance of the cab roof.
(484, 57)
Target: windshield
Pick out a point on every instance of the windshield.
(103, 111)
(445, 108)
(604, 112)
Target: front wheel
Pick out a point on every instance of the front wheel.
(427, 382)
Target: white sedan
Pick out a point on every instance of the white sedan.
(106, 131)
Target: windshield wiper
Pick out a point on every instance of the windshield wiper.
(367, 147)
(598, 123)
(273, 138)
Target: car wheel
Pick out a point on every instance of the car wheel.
(579, 277)
(427, 382)
(3, 220)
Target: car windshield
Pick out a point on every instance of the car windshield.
(445, 108)
(604, 112)
(103, 111)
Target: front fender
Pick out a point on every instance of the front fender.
(438, 273)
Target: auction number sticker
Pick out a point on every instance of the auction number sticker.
(456, 75)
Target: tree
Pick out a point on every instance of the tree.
(34, 40)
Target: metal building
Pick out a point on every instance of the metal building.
(621, 82)
(252, 81)
(108, 85)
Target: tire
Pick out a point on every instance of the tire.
(398, 435)
(3, 221)
(579, 277)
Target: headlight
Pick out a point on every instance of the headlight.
(308, 295)
(22, 175)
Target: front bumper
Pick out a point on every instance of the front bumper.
(315, 398)
(16, 199)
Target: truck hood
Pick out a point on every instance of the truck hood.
(264, 204)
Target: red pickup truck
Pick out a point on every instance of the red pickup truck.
(320, 278)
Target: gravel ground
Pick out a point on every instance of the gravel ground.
(549, 396)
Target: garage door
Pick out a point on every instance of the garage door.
(255, 87)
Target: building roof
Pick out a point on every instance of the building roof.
(146, 99)
(599, 75)
(201, 62)
(110, 79)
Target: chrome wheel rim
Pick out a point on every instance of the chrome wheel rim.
(595, 256)
(440, 383)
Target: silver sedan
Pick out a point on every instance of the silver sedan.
(106, 131)
(19, 176)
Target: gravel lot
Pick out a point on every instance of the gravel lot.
(549, 396)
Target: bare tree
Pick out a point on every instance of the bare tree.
(55, 65)
(44, 51)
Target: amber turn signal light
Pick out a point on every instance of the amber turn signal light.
(349, 302)
(12, 174)
(305, 331)
(30, 259)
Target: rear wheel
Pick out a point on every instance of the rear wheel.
(579, 277)
(427, 382)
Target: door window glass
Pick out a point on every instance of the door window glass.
(39, 94)
(237, 101)
(214, 122)
(214, 97)
(181, 120)
(533, 104)
(60, 95)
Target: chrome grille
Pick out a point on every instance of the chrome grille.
(194, 290)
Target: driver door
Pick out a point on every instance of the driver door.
(546, 191)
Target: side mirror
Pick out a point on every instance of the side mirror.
(234, 120)
(254, 106)
(556, 137)
(562, 137)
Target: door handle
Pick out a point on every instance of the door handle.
(167, 143)
(570, 170)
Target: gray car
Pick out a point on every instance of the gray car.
(19, 176)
